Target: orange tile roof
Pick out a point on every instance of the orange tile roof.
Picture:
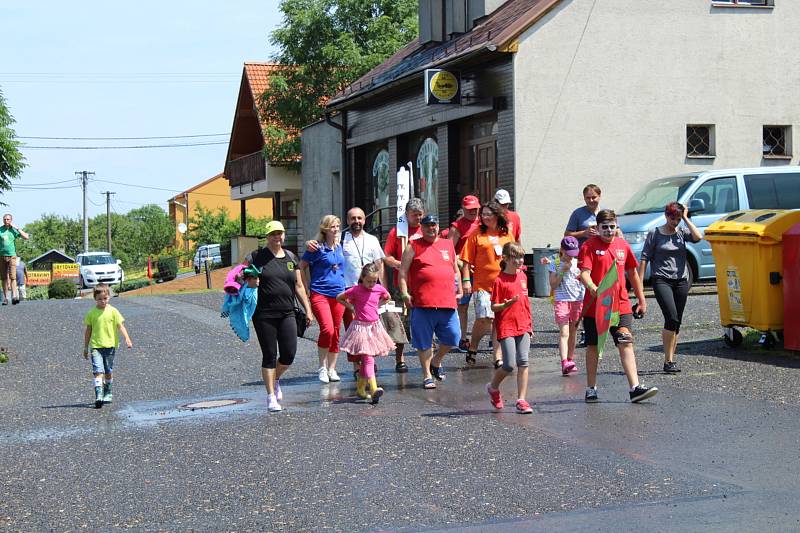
(258, 76)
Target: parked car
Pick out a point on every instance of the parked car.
(206, 252)
(99, 267)
(709, 195)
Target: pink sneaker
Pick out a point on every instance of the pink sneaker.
(567, 367)
(523, 407)
(494, 396)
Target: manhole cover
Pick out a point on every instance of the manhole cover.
(213, 404)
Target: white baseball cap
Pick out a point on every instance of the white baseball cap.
(502, 196)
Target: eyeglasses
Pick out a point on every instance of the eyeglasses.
(608, 227)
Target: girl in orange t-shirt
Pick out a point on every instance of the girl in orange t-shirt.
(513, 325)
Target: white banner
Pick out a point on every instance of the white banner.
(403, 195)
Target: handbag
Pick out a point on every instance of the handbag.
(300, 317)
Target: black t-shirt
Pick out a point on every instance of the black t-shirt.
(276, 283)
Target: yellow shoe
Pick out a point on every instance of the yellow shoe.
(374, 390)
(361, 385)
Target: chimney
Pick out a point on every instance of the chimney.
(431, 21)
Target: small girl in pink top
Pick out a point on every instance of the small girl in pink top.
(366, 336)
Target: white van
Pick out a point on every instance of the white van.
(206, 252)
(709, 195)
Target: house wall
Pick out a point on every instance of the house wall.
(604, 92)
(322, 185)
(211, 196)
(391, 120)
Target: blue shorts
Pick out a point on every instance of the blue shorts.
(103, 360)
(427, 321)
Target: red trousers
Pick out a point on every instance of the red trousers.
(328, 313)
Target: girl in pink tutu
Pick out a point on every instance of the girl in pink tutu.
(366, 337)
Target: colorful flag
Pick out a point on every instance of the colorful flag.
(606, 311)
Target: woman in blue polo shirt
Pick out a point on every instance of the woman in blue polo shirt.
(326, 267)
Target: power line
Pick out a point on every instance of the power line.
(48, 183)
(176, 145)
(157, 188)
(120, 74)
(121, 138)
(23, 188)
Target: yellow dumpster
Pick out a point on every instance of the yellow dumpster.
(748, 255)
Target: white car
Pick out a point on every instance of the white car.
(99, 267)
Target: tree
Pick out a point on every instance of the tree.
(134, 235)
(325, 45)
(216, 227)
(11, 160)
(52, 232)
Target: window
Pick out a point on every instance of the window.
(721, 195)
(743, 3)
(773, 191)
(380, 186)
(428, 175)
(777, 142)
(700, 141)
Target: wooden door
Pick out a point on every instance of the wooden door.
(485, 170)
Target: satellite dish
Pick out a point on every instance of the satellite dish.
(182, 227)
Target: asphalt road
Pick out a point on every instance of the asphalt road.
(715, 450)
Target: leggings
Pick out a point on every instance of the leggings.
(671, 297)
(328, 313)
(367, 369)
(515, 348)
(274, 334)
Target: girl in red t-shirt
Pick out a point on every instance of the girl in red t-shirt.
(366, 336)
(513, 325)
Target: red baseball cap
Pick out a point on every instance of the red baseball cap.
(470, 202)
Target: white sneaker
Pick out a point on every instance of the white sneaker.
(332, 375)
(323, 375)
(272, 403)
(278, 391)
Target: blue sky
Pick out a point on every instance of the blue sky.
(124, 69)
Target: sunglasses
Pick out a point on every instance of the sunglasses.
(608, 227)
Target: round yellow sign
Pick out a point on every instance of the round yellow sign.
(444, 85)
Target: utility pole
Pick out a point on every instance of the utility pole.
(84, 177)
(108, 219)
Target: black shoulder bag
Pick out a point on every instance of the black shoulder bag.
(299, 310)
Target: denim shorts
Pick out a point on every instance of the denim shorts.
(103, 360)
(427, 321)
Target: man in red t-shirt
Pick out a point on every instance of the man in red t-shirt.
(598, 255)
(460, 230)
(429, 271)
(393, 252)
(514, 222)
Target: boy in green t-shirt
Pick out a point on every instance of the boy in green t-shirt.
(101, 340)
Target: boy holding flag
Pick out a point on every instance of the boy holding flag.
(604, 260)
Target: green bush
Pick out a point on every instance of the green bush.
(62, 289)
(166, 268)
(38, 292)
(132, 285)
